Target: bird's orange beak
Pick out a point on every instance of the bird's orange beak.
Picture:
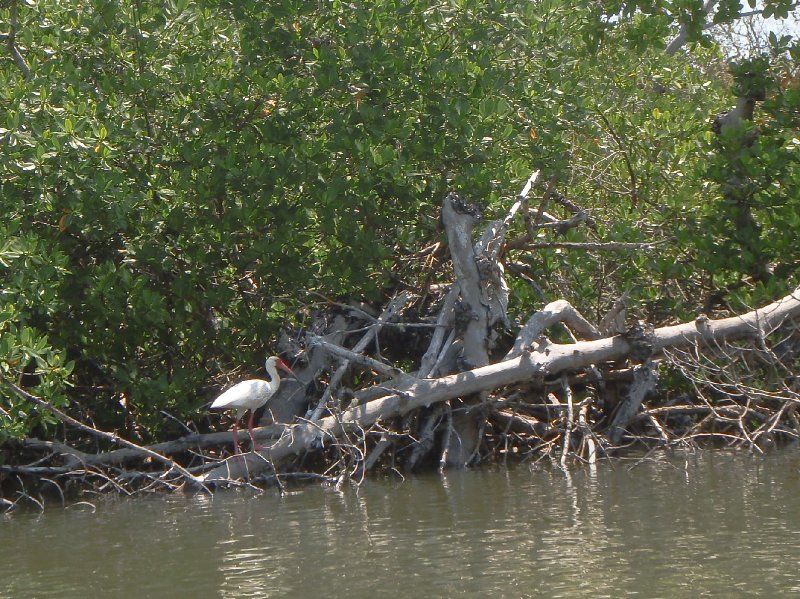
(284, 366)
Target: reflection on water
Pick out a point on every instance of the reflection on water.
(694, 525)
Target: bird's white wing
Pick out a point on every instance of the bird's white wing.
(250, 394)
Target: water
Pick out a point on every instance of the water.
(709, 524)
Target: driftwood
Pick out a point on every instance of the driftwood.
(546, 360)
(476, 392)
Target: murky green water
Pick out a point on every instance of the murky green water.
(693, 525)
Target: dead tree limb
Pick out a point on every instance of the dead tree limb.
(442, 337)
(394, 307)
(683, 35)
(10, 39)
(553, 313)
(494, 236)
(590, 245)
(352, 357)
(110, 437)
(570, 421)
(573, 208)
(290, 401)
(644, 382)
(73, 458)
(553, 359)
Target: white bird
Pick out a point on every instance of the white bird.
(251, 395)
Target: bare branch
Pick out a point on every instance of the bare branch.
(353, 357)
(110, 437)
(444, 322)
(677, 43)
(591, 245)
(570, 420)
(553, 313)
(11, 41)
(625, 155)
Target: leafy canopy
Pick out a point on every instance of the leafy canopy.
(179, 176)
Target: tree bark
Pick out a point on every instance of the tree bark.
(473, 314)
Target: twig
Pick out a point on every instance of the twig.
(177, 421)
(560, 226)
(82, 503)
(625, 156)
(499, 236)
(23, 495)
(683, 34)
(573, 208)
(592, 245)
(58, 488)
(542, 205)
(588, 437)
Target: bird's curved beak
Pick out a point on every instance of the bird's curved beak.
(285, 367)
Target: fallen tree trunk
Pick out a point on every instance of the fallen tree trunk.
(548, 359)
(74, 458)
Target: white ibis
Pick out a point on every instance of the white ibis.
(251, 395)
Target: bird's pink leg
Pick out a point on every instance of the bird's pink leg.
(235, 430)
(256, 446)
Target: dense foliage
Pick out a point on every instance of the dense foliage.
(178, 178)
